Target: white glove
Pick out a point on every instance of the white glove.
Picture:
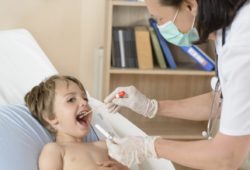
(132, 150)
(134, 100)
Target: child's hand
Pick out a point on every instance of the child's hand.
(112, 165)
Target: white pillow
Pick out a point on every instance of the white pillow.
(22, 65)
(21, 138)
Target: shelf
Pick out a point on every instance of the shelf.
(128, 3)
(184, 133)
(173, 131)
(169, 128)
(180, 72)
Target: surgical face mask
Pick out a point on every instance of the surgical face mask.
(171, 33)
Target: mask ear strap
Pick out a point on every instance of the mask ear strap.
(177, 12)
(193, 23)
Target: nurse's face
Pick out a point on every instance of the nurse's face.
(163, 14)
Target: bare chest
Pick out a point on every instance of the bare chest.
(83, 157)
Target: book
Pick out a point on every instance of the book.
(157, 49)
(143, 47)
(121, 47)
(199, 57)
(130, 48)
(115, 49)
(164, 45)
(123, 52)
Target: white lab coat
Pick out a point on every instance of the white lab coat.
(234, 73)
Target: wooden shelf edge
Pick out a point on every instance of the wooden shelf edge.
(162, 72)
(183, 137)
(128, 3)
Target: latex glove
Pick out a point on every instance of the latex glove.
(134, 100)
(132, 150)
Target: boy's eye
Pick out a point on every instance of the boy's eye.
(71, 100)
(86, 99)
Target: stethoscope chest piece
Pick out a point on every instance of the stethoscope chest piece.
(206, 135)
(214, 81)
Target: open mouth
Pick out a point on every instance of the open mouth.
(82, 117)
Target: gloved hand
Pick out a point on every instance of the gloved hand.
(134, 100)
(132, 150)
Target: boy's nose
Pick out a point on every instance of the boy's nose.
(83, 102)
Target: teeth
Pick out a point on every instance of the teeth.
(87, 112)
(83, 114)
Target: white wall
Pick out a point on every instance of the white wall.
(68, 31)
(93, 30)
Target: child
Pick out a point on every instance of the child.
(60, 104)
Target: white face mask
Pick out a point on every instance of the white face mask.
(171, 33)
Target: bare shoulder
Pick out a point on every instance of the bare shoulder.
(52, 148)
(53, 145)
(51, 157)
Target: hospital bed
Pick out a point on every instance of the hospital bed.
(22, 65)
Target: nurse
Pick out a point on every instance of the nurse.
(228, 23)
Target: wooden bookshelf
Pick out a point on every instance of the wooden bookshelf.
(178, 71)
(155, 83)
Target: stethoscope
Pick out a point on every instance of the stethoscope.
(214, 111)
(215, 83)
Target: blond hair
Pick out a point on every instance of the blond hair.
(40, 100)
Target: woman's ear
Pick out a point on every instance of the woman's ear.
(191, 5)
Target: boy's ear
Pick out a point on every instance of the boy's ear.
(192, 6)
(53, 121)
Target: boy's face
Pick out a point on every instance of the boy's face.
(70, 101)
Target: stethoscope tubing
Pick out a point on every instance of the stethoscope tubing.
(208, 132)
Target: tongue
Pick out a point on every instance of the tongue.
(82, 122)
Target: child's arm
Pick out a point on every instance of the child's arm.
(51, 157)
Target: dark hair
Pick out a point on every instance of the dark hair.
(215, 14)
(212, 14)
(40, 99)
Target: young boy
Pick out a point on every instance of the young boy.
(60, 104)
